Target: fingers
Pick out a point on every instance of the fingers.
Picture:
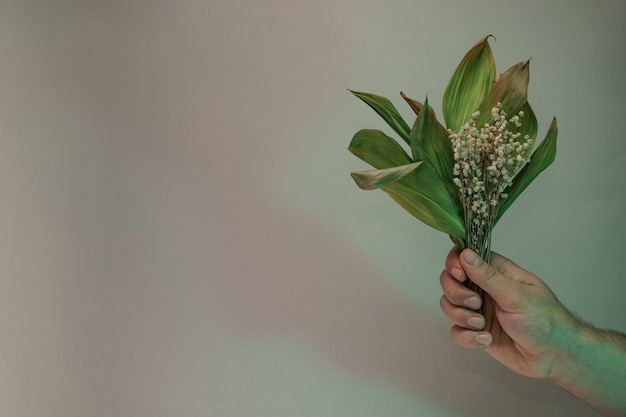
(458, 303)
(457, 293)
(460, 316)
(486, 276)
(453, 265)
(470, 338)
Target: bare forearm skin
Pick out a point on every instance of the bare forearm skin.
(593, 368)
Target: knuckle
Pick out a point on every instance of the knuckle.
(444, 304)
(462, 337)
(448, 284)
(490, 274)
(442, 278)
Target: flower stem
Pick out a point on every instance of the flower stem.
(483, 249)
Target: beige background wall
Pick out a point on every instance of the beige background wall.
(180, 235)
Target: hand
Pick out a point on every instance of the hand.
(525, 327)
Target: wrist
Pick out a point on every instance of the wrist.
(593, 369)
(574, 338)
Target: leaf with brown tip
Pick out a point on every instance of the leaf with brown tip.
(414, 104)
(419, 192)
(376, 178)
(511, 90)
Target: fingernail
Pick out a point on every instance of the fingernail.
(483, 339)
(471, 257)
(476, 322)
(458, 274)
(472, 302)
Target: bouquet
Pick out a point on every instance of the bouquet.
(459, 178)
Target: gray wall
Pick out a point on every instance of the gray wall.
(180, 235)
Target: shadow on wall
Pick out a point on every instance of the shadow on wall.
(282, 275)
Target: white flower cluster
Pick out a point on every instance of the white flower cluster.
(486, 161)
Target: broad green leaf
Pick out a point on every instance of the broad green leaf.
(387, 111)
(378, 149)
(421, 181)
(469, 85)
(376, 178)
(510, 89)
(543, 156)
(529, 126)
(430, 141)
(422, 194)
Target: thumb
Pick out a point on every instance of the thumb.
(484, 275)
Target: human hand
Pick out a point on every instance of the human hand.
(525, 327)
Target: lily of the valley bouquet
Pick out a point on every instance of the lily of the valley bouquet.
(459, 178)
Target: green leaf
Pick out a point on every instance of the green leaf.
(387, 111)
(420, 192)
(430, 141)
(529, 126)
(543, 156)
(376, 178)
(469, 85)
(378, 149)
(510, 89)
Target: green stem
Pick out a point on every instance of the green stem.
(483, 249)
